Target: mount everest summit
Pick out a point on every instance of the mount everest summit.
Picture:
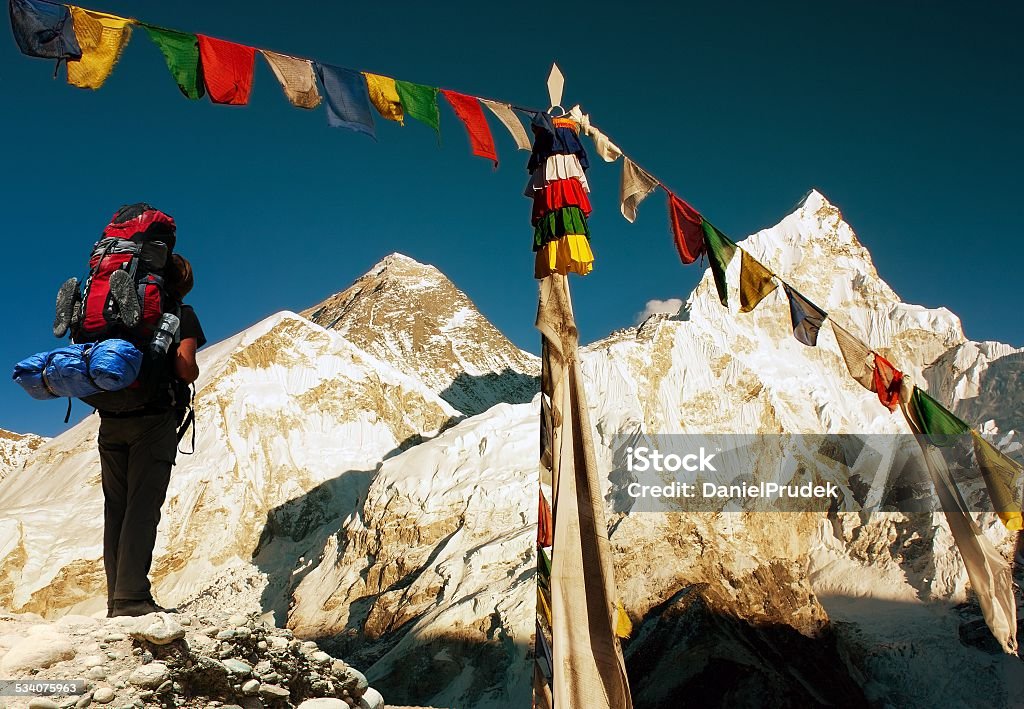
(366, 473)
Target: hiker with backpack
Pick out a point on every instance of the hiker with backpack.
(137, 451)
(133, 359)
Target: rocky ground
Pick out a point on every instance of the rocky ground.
(189, 659)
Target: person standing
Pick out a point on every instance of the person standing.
(137, 452)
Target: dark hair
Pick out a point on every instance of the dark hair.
(179, 276)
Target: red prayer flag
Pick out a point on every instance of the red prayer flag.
(227, 70)
(469, 111)
(887, 382)
(545, 525)
(686, 229)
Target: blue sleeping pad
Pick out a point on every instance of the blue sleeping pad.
(79, 370)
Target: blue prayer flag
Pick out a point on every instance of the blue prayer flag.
(44, 30)
(347, 99)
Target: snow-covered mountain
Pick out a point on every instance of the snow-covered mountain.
(412, 317)
(368, 475)
(15, 449)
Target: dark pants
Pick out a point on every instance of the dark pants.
(136, 456)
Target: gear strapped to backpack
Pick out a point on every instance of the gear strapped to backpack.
(124, 297)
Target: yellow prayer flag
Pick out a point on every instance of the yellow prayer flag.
(755, 282)
(623, 625)
(102, 38)
(1002, 477)
(384, 97)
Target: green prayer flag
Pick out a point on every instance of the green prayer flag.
(181, 52)
(420, 102)
(941, 426)
(720, 251)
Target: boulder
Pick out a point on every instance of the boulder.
(161, 630)
(371, 699)
(35, 652)
(149, 676)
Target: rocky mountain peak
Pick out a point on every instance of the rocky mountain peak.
(411, 316)
(15, 449)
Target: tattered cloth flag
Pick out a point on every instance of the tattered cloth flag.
(296, 78)
(860, 361)
(44, 30)
(1002, 478)
(181, 52)
(102, 38)
(508, 118)
(545, 528)
(469, 111)
(608, 150)
(887, 382)
(588, 667)
(988, 573)
(869, 369)
(634, 186)
(756, 282)
(384, 97)
(686, 229)
(420, 102)
(348, 103)
(720, 250)
(806, 316)
(227, 70)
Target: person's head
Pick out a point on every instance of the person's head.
(179, 276)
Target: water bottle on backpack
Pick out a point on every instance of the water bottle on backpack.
(165, 335)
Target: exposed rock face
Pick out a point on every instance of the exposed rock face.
(339, 485)
(16, 448)
(411, 316)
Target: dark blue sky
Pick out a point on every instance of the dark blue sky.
(906, 115)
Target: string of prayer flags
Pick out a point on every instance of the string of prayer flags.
(469, 111)
(384, 97)
(44, 30)
(181, 52)
(227, 70)
(686, 229)
(806, 316)
(508, 118)
(420, 102)
(296, 78)
(102, 38)
(720, 250)
(348, 103)
(756, 282)
(634, 187)
(1002, 478)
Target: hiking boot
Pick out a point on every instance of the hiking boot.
(67, 298)
(134, 608)
(122, 290)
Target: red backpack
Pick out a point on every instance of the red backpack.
(124, 295)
